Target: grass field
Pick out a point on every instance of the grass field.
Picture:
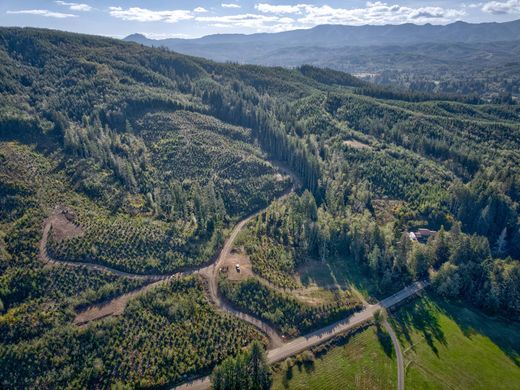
(448, 346)
(361, 363)
(342, 272)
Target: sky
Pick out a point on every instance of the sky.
(159, 19)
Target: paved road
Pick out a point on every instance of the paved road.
(398, 354)
(403, 294)
(324, 334)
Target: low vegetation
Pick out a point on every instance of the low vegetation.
(164, 336)
(246, 371)
(154, 155)
(290, 315)
(354, 361)
(448, 345)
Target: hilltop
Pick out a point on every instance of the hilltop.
(328, 35)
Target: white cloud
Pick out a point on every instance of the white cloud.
(42, 12)
(256, 22)
(75, 6)
(272, 18)
(374, 13)
(230, 5)
(502, 7)
(146, 15)
(279, 9)
(244, 20)
(473, 5)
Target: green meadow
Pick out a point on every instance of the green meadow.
(448, 346)
(360, 363)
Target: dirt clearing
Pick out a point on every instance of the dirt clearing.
(63, 224)
(111, 308)
(229, 265)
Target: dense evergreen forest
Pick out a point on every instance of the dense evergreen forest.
(143, 159)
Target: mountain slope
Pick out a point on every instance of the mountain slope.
(457, 58)
(146, 157)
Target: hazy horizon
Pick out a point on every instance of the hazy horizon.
(187, 19)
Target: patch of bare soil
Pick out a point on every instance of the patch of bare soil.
(229, 265)
(279, 177)
(113, 307)
(356, 144)
(63, 223)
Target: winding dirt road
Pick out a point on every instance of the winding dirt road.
(210, 272)
(44, 256)
(277, 351)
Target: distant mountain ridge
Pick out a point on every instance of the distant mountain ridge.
(460, 58)
(342, 35)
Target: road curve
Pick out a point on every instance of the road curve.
(321, 335)
(44, 256)
(277, 349)
(398, 354)
(211, 273)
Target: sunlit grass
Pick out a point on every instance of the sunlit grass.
(449, 346)
(361, 363)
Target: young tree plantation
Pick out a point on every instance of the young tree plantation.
(132, 177)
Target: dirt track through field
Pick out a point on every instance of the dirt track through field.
(395, 342)
(398, 354)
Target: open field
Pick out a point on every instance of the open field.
(447, 346)
(361, 363)
(341, 272)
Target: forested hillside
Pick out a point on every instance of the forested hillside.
(458, 59)
(142, 159)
